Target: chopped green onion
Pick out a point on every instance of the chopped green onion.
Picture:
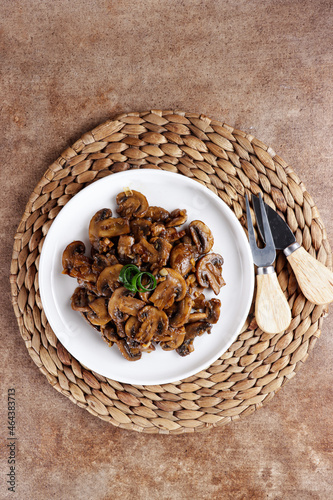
(127, 274)
(137, 281)
(131, 277)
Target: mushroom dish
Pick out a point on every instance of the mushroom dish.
(144, 281)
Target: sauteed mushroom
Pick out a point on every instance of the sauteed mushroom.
(183, 310)
(70, 254)
(197, 316)
(124, 248)
(108, 280)
(177, 218)
(163, 248)
(103, 214)
(193, 330)
(202, 236)
(76, 264)
(209, 272)
(158, 229)
(115, 303)
(140, 228)
(101, 261)
(98, 315)
(172, 234)
(130, 352)
(155, 252)
(80, 299)
(154, 324)
(175, 340)
(213, 310)
(132, 204)
(210, 311)
(182, 258)
(132, 326)
(157, 214)
(122, 304)
(113, 226)
(172, 288)
(109, 334)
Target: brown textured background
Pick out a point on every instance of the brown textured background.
(263, 67)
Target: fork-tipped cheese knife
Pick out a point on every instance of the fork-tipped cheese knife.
(314, 279)
(272, 311)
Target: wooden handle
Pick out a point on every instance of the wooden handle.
(271, 310)
(315, 280)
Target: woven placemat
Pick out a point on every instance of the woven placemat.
(230, 163)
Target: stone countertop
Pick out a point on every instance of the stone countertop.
(264, 68)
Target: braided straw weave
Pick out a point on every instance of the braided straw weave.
(230, 163)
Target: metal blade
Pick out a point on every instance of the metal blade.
(262, 257)
(282, 234)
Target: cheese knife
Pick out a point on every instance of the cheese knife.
(314, 279)
(272, 310)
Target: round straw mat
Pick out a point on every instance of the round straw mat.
(230, 163)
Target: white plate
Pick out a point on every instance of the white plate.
(169, 191)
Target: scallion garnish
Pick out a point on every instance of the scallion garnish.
(131, 277)
(138, 282)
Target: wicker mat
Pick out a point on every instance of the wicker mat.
(230, 163)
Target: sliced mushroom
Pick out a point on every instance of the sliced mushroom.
(109, 334)
(81, 299)
(132, 326)
(130, 352)
(163, 248)
(182, 258)
(177, 218)
(156, 252)
(202, 236)
(140, 228)
(108, 280)
(171, 234)
(157, 214)
(121, 305)
(98, 315)
(144, 296)
(114, 226)
(146, 251)
(124, 247)
(132, 204)
(187, 239)
(76, 264)
(177, 336)
(147, 347)
(117, 315)
(213, 310)
(130, 305)
(193, 330)
(104, 213)
(172, 288)
(158, 229)
(154, 323)
(209, 272)
(101, 261)
(197, 316)
(70, 254)
(183, 311)
(199, 301)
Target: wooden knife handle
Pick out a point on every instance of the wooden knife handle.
(315, 279)
(272, 310)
